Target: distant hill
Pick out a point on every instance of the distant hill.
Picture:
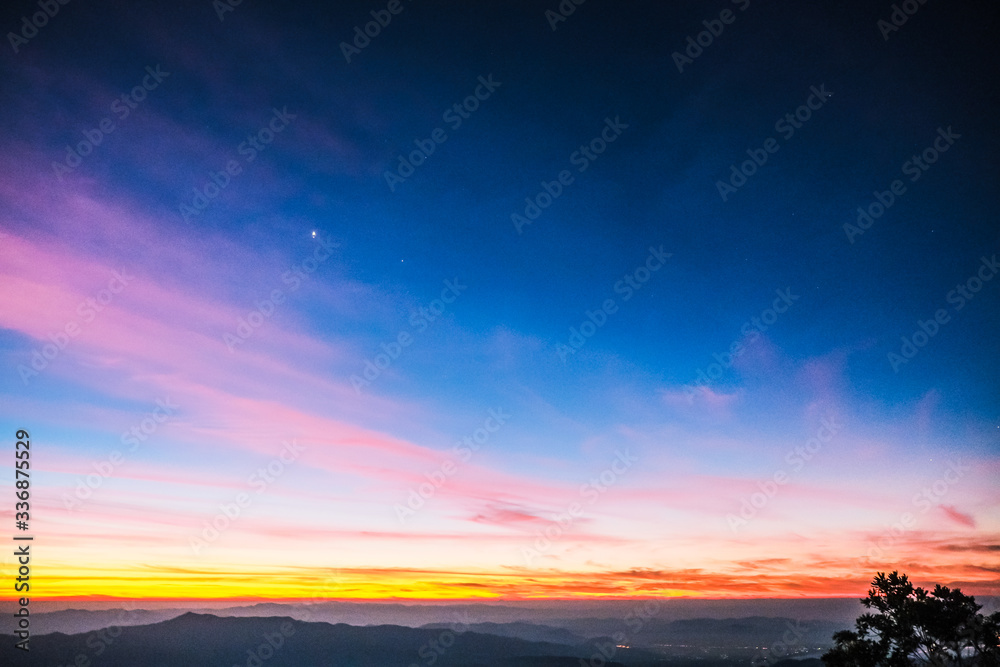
(76, 621)
(527, 631)
(192, 636)
(203, 639)
(723, 635)
(412, 614)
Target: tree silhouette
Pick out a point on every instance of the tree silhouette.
(911, 627)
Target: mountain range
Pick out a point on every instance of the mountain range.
(203, 639)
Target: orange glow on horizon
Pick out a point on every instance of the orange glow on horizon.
(65, 583)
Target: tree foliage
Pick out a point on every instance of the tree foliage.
(910, 627)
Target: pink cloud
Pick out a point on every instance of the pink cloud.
(958, 517)
(706, 397)
(152, 341)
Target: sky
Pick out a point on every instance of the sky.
(500, 300)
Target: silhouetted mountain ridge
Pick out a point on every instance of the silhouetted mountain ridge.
(529, 631)
(551, 613)
(204, 639)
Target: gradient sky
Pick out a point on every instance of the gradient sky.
(647, 480)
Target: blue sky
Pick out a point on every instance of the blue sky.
(317, 192)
